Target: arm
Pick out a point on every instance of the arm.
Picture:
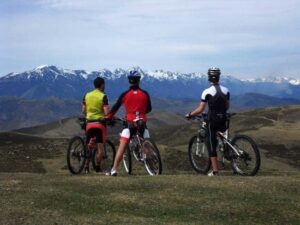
(149, 106)
(199, 109)
(83, 108)
(228, 100)
(201, 106)
(105, 105)
(116, 106)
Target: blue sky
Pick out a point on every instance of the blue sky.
(246, 39)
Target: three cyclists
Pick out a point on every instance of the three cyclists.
(137, 104)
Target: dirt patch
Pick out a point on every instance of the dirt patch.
(281, 151)
(246, 124)
(176, 161)
(20, 153)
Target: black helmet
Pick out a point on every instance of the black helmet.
(134, 77)
(214, 74)
(98, 82)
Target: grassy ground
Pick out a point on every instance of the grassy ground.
(167, 199)
(178, 197)
(36, 187)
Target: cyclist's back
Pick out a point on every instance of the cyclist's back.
(95, 101)
(217, 97)
(136, 102)
(95, 107)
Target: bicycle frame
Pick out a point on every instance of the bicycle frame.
(222, 135)
(139, 140)
(225, 139)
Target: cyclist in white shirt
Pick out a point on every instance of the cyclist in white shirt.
(217, 97)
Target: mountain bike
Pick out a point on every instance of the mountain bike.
(242, 151)
(79, 151)
(143, 149)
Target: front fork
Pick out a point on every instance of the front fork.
(199, 150)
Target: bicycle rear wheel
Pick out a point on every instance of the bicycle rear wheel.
(198, 155)
(248, 163)
(108, 156)
(76, 155)
(152, 158)
(127, 161)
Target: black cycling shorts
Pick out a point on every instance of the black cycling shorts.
(95, 132)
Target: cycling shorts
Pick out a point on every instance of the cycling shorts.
(97, 130)
(131, 129)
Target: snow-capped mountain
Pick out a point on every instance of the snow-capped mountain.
(45, 81)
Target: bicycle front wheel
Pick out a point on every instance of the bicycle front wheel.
(151, 157)
(127, 162)
(198, 155)
(248, 162)
(76, 155)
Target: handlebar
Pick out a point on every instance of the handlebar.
(110, 122)
(204, 116)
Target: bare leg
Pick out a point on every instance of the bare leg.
(214, 164)
(99, 154)
(120, 153)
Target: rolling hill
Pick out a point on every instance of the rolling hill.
(36, 187)
(16, 113)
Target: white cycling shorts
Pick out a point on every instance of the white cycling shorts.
(125, 135)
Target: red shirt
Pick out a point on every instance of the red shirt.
(135, 100)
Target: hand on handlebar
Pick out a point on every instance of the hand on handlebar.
(110, 121)
(188, 116)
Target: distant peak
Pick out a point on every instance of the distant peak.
(137, 68)
(41, 67)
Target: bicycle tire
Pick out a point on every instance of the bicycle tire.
(108, 156)
(76, 151)
(245, 156)
(152, 162)
(195, 158)
(127, 161)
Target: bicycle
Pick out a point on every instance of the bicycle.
(144, 150)
(242, 151)
(79, 151)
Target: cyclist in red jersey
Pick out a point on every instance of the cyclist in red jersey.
(136, 101)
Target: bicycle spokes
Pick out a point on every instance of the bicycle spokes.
(151, 158)
(248, 160)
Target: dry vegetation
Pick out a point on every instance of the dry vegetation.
(36, 188)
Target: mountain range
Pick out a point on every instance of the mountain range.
(51, 81)
(48, 93)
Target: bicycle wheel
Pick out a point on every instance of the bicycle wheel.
(152, 158)
(108, 156)
(127, 162)
(76, 155)
(198, 155)
(248, 162)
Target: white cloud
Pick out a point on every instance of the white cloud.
(170, 34)
(186, 48)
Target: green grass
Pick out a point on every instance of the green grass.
(180, 199)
